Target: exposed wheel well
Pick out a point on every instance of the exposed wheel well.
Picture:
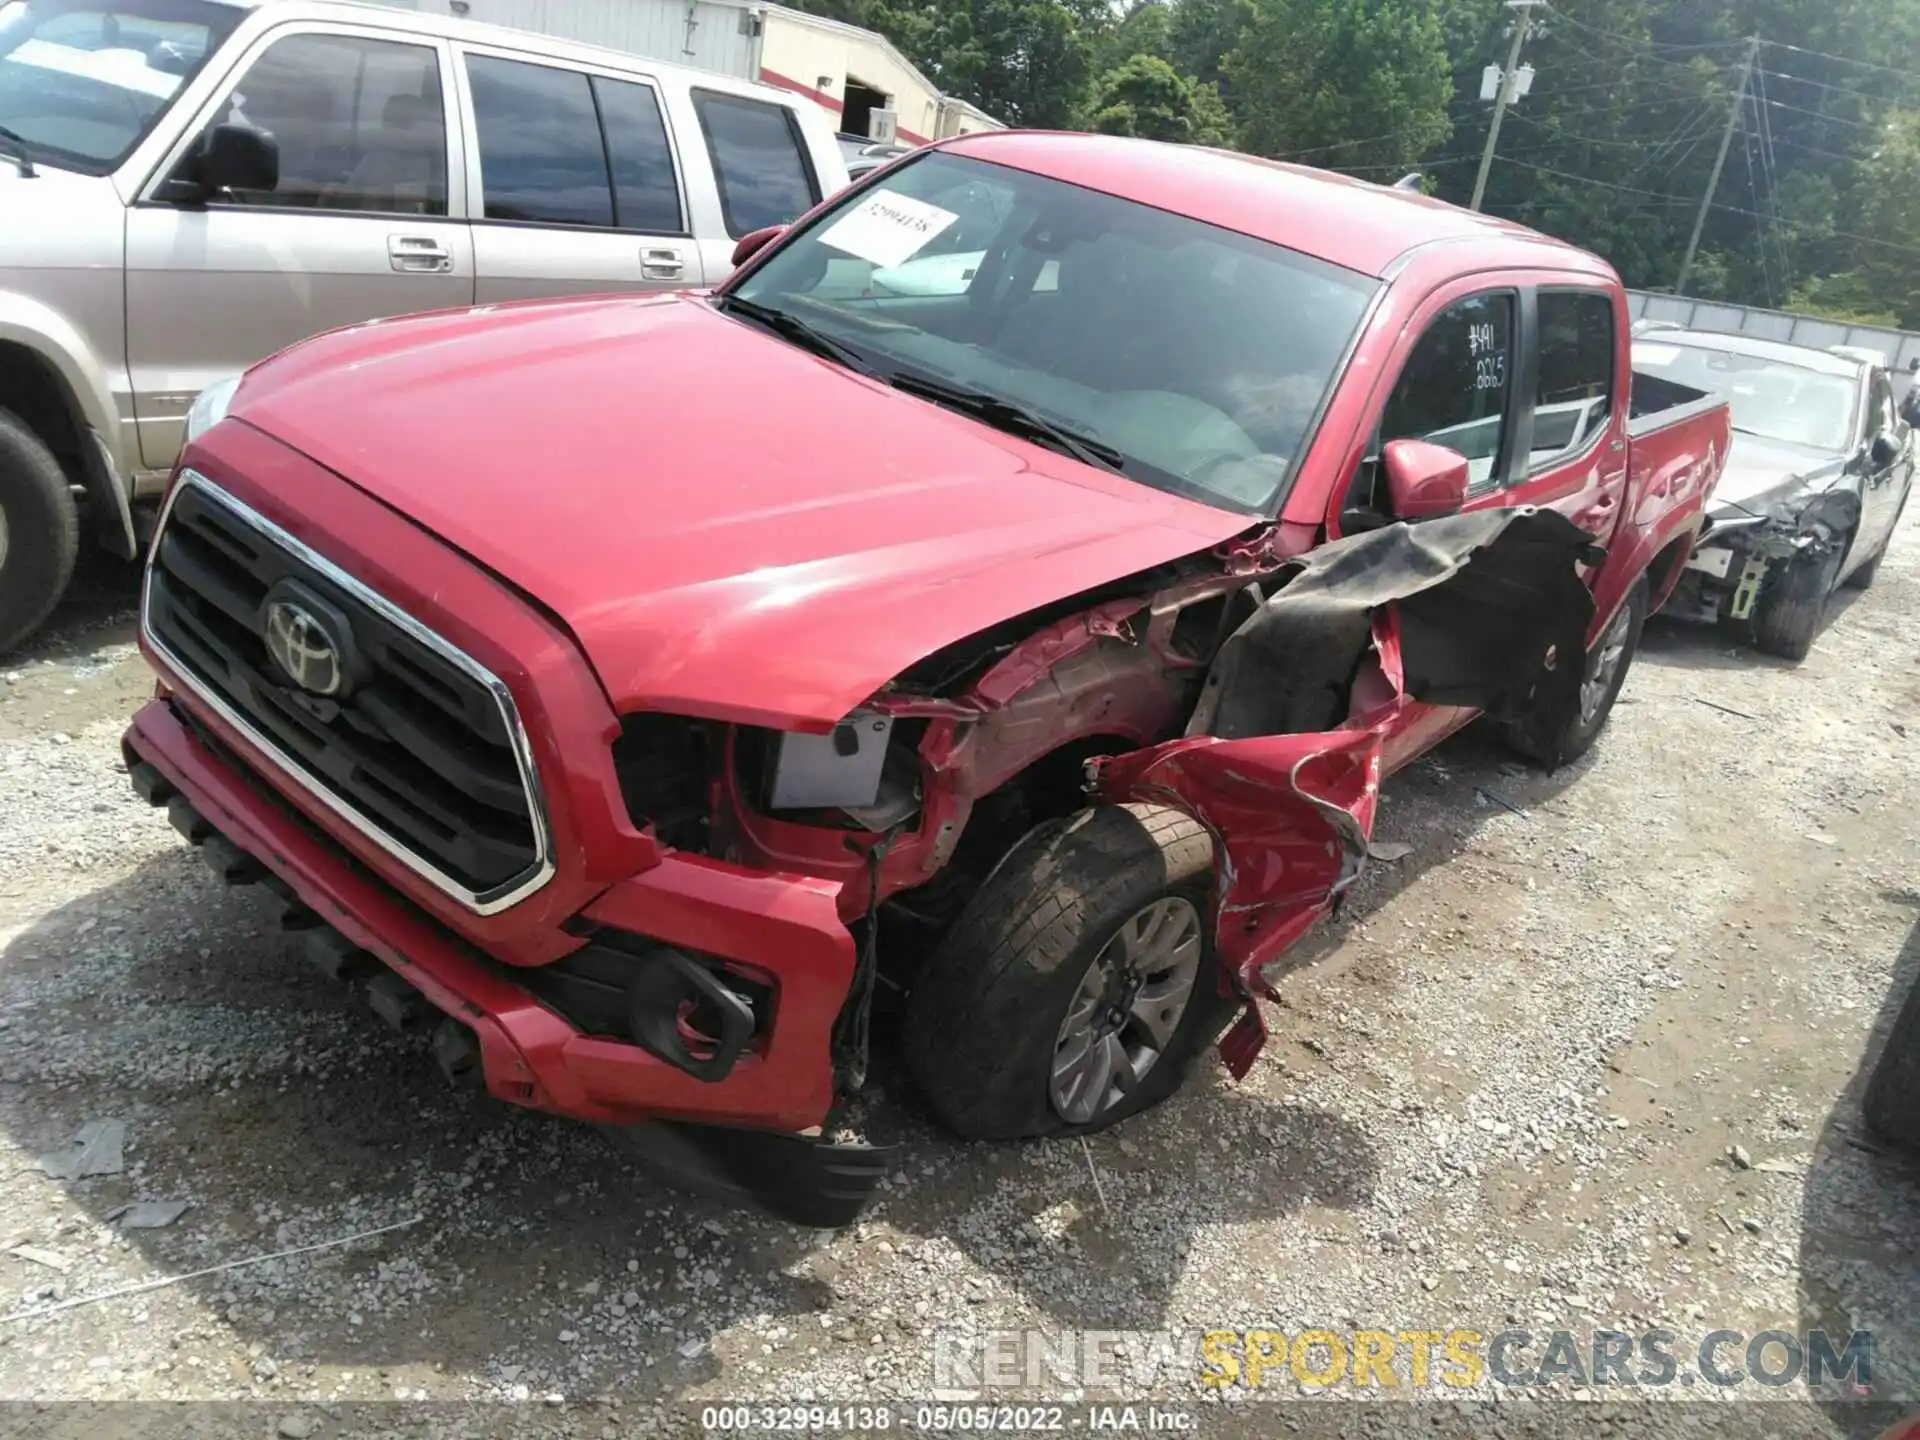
(1664, 572)
(1050, 788)
(33, 390)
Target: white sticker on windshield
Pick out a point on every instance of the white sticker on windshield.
(887, 228)
(1656, 354)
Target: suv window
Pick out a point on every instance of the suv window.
(541, 153)
(646, 196)
(1454, 388)
(1573, 397)
(758, 160)
(360, 124)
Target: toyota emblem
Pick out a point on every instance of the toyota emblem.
(301, 644)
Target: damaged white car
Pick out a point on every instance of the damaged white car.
(1816, 481)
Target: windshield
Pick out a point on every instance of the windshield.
(1194, 357)
(1769, 398)
(81, 83)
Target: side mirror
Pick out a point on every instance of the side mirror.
(228, 157)
(754, 241)
(1883, 451)
(1424, 480)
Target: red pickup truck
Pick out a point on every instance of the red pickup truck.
(997, 607)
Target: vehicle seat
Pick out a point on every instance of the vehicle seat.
(400, 175)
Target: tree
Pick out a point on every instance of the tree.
(1148, 98)
(1202, 33)
(1352, 84)
(1889, 211)
(1027, 62)
(1141, 30)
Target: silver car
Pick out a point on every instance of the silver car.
(187, 186)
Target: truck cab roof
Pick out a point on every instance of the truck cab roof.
(1372, 229)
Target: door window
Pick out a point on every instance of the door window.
(1574, 393)
(541, 154)
(558, 147)
(758, 160)
(646, 195)
(1881, 417)
(360, 124)
(1456, 382)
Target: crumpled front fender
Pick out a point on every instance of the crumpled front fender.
(1483, 611)
(1293, 853)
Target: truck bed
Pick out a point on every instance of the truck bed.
(1654, 403)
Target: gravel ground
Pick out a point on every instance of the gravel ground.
(1588, 1056)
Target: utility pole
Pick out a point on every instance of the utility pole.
(1524, 8)
(1719, 161)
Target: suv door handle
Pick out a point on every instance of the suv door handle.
(661, 262)
(418, 255)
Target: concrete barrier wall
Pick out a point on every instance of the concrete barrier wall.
(1901, 347)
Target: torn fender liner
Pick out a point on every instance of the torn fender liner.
(1492, 614)
(1484, 599)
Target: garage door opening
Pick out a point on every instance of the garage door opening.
(856, 110)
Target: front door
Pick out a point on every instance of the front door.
(575, 184)
(1455, 387)
(359, 226)
(1883, 485)
(1570, 441)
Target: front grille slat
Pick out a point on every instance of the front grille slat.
(420, 748)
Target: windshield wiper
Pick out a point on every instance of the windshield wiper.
(1004, 414)
(19, 156)
(791, 327)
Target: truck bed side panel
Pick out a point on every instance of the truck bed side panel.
(1675, 457)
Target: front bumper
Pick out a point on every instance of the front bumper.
(529, 1054)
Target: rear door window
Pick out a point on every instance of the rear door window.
(646, 194)
(759, 161)
(542, 158)
(1573, 396)
(1456, 383)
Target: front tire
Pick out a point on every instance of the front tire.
(1788, 617)
(1079, 984)
(39, 532)
(1607, 664)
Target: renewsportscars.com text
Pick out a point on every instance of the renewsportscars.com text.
(1402, 1361)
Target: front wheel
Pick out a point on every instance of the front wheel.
(39, 532)
(1788, 617)
(1607, 664)
(1079, 984)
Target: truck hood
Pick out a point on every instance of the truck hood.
(1761, 474)
(729, 526)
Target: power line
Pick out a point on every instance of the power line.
(1753, 189)
(1807, 149)
(1728, 209)
(1641, 42)
(1845, 60)
(1831, 119)
(1815, 84)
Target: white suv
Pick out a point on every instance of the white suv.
(187, 186)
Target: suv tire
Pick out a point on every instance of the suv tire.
(39, 531)
(987, 1022)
